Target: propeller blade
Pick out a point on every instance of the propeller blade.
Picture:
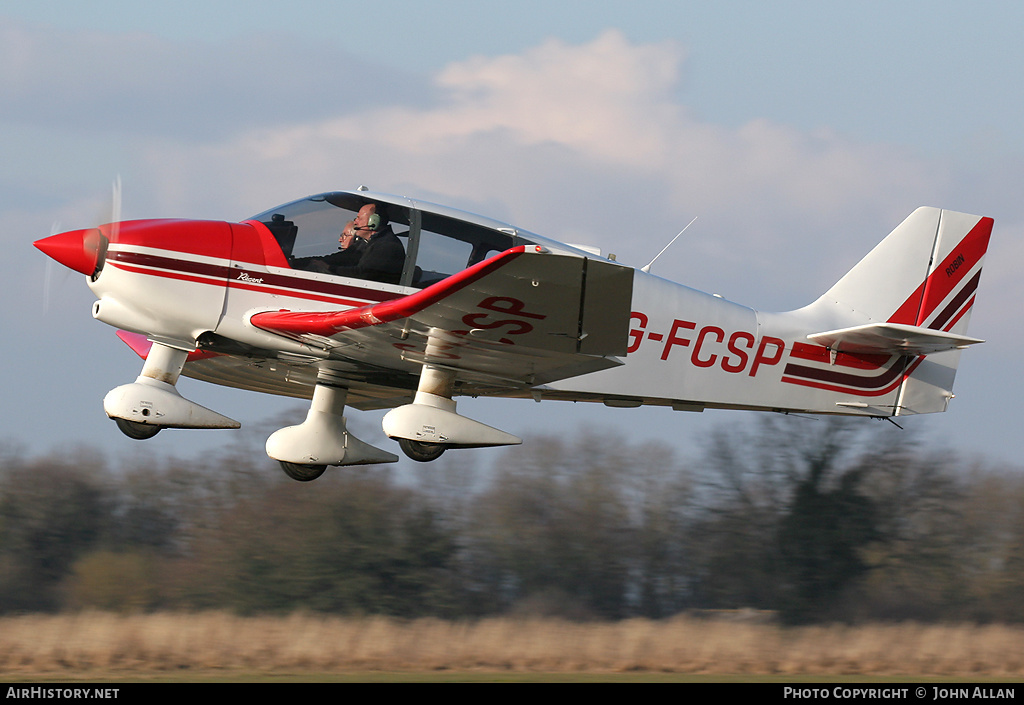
(85, 250)
(115, 209)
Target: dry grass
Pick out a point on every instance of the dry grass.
(92, 642)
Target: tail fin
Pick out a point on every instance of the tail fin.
(912, 296)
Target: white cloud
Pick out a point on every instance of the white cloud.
(539, 133)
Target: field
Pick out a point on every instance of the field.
(130, 646)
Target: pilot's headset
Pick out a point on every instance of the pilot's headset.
(373, 222)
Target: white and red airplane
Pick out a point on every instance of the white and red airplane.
(455, 304)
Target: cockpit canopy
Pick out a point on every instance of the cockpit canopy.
(437, 244)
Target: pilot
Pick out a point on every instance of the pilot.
(350, 248)
(382, 256)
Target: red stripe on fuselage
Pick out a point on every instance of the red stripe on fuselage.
(169, 275)
(819, 353)
(168, 264)
(222, 275)
(852, 384)
(306, 296)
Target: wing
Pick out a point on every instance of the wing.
(521, 318)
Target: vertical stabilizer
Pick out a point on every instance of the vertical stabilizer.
(923, 275)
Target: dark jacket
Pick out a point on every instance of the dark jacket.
(382, 259)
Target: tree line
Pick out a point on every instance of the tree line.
(814, 520)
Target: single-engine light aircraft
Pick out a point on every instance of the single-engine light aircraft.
(423, 303)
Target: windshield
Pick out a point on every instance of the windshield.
(313, 225)
(430, 246)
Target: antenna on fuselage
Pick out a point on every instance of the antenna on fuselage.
(648, 267)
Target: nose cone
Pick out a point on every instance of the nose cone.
(76, 249)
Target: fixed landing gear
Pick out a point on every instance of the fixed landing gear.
(304, 451)
(152, 402)
(421, 452)
(430, 425)
(137, 431)
(302, 473)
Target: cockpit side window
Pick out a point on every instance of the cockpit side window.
(433, 246)
(439, 257)
(449, 245)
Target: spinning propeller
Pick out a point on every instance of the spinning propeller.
(85, 250)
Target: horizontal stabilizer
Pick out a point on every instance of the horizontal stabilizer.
(891, 339)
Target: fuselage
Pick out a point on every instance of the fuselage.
(196, 286)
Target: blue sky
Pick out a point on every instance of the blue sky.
(799, 132)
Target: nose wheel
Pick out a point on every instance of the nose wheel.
(152, 402)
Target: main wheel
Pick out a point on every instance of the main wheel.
(302, 473)
(422, 452)
(136, 430)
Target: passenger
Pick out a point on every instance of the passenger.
(350, 249)
(382, 257)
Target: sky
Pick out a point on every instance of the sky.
(799, 134)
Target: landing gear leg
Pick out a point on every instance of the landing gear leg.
(152, 402)
(323, 439)
(430, 425)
